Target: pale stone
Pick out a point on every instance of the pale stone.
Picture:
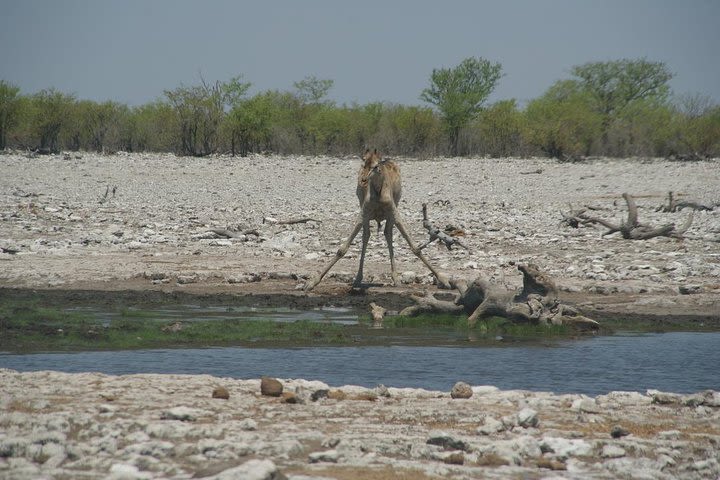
(527, 417)
(461, 390)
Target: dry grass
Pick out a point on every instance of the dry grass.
(492, 460)
(19, 406)
(369, 473)
(648, 428)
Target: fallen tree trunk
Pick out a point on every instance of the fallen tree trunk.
(535, 303)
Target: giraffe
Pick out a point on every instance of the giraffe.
(378, 190)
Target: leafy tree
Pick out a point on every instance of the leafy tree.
(500, 128)
(9, 110)
(126, 129)
(152, 127)
(697, 126)
(562, 123)
(104, 124)
(312, 89)
(616, 85)
(643, 128)
(248, 125)
(75, 134)
(200, 111)
(234, 91)
(50, 114)
(459, 93)
(361, 123)
(410, 130)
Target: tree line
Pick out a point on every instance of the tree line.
(614, 108)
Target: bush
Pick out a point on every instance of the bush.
(49, 115)
(562, 122)
(9, 111)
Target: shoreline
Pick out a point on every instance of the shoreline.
(156, 233)
(179, 426)
(285, 293)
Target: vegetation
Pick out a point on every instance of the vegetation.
(27, 326)
(459, 94)
(613, 108)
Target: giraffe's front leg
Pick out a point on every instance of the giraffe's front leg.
(312, 282)
(389, 227)
(365, 239)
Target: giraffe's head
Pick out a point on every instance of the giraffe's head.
(371, 163)
(370, 159)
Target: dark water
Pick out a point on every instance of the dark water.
(679, 362)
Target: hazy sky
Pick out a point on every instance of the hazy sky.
(132, 50)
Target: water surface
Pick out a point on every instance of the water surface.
(680, 362)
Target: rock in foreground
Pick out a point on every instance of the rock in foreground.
(56, 425)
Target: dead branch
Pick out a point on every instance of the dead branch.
(574, 218)
(673, 205)
(531, 172)
(632, 229)
(292, 221)
(577, 217)
(378, 313)
(535, 282)
(226, 233)
(436, 234)
(104, 198)
(429, 304)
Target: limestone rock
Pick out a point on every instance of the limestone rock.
(255, 469)
(586, 405)
(461, 390)
(664, 398)
(527, 417)
(248, 425)
(328, 456)
(184, 414)
(612, 451)
(447, 442)
(491, 425)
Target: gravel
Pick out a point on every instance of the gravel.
(135, 221)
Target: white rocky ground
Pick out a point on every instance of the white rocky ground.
(153, 230)
(58, 230)
(77, 426)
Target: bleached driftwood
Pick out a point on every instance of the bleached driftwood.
(378, 314)
(535, 303)
(675, 205)
(292, 221)
(227, 233)
(437, 234)
(632, 229)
